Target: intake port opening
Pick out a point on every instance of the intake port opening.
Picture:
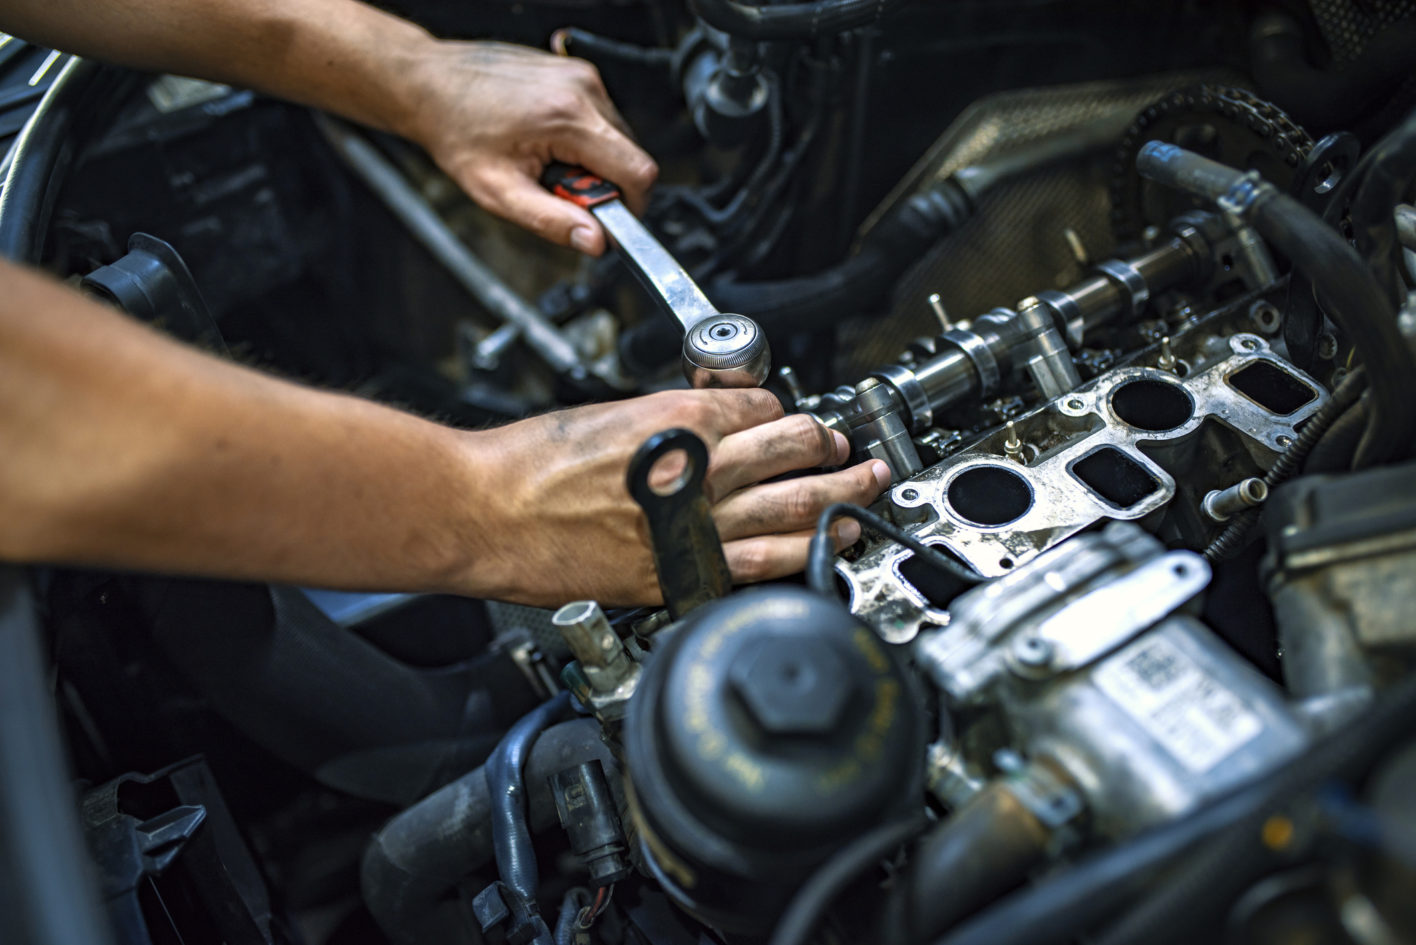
(1271, 387)
(990, 496)
(1153, 406)
(1119, 480)
(937, 587)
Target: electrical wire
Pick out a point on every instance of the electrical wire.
(819, 573)
(815, 896)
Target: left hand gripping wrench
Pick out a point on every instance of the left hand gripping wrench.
(719, 350)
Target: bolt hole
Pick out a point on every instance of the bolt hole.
(1180, 570)
(909, 495)
(1005, 562)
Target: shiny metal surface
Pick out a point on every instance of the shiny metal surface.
(672, 288)
(725, 350)
(1056, 501)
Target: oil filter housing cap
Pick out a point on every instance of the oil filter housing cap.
(768, 731)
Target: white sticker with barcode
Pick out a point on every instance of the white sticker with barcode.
(1194, 717)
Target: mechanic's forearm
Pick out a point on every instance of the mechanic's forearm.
(339, 55)
(122, 448)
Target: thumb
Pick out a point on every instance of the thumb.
(517, 197)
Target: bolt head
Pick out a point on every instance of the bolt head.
(792, 686)
(1033, 652)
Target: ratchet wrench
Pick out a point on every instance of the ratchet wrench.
(719, 349)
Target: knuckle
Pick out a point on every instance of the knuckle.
(561, 106)
(802, 505)
(810, 437)
(752, 562)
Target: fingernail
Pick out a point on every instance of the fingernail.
(881, 473)
(848, 531)
(582, 238)
(843, 447)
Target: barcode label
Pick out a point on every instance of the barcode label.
(1196, 719)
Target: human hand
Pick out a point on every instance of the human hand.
(493, 115)
(563, 526)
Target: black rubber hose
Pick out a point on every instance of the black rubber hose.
(83, 96)
(792, 20)
(1345, 286)
(815, 896)
(414, 864)
(1060, 909)
(1324, 98)
(1390, 170)
(47, 888)
(587, 45)
(821, 299)
(985, 849)
(821, 576)
(42, 156)
(1289, 462)
(511, 834)
(1333, 452)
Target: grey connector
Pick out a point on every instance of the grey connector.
(602, 656)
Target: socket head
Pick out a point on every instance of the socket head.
(726, 351)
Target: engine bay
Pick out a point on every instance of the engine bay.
(1121, 294)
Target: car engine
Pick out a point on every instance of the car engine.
(1122, 294)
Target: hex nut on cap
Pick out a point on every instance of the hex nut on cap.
(789, 689)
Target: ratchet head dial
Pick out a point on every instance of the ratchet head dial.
(726, 351)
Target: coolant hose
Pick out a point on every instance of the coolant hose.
(982, 851)
(1388, 170)
(414, 864)
(511, 836)
(1348, 291)
(792, 20)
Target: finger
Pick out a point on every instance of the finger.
(794, 505)
(796, 442)
(775, 556)
(726, 411)
(610, 153)
(512, 194)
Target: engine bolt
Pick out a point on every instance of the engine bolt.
(1012, 446)
(936, 303)
(1166, 361)
(1033, 653)
(1327, 347)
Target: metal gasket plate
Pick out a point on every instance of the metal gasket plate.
(1057, 502)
